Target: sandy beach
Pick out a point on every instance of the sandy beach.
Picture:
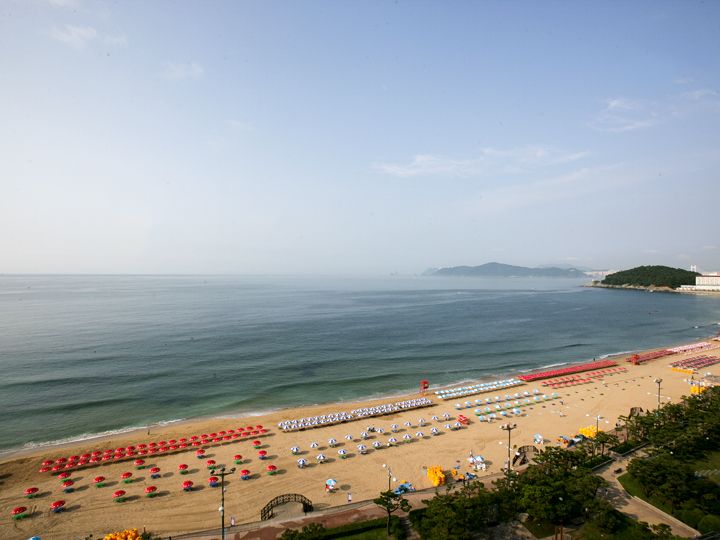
(92, 510)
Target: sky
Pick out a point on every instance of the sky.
(356, 137)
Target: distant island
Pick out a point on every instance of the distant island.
(649, 277)
(494, 269)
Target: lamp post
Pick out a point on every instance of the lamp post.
(658, 381)
(597, 430)
(509, 428)
(222, 473)
(390, 476)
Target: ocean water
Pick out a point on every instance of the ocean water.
(81, 355)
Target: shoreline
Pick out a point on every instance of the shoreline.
(141, 431)
(176, 512)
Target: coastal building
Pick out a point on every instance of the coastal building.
(709, 281)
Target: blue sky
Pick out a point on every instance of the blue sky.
(357, 137)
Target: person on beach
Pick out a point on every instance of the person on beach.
(349, 497)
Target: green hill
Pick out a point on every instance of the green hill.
(658, 276)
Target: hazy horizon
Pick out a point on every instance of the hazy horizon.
(255, 138)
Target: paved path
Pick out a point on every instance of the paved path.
(637, 508)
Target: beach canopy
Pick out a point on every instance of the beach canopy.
(58, 504)
(182, 467)
(150, 489)
(118, 493)
(244, 472)
(31, 491)
(19, 510)
(187, 484)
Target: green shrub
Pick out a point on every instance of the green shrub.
(710, 523)
(691, 515)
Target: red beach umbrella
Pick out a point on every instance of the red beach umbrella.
(237, 458)
(162, 443)
(204, 436)
(183, 468)
(98, 480)
(263, 431)
(67, 483)
(56, 468)
(19, 512)
(126, 477)
(107, 457)
(271, 469)
(74, 458)
(85, 456)
(222, 432)
(213, 480)
(142, 445)
(155, 470)
(187, 485)
(150, 491)
(262, 454)
(200, 452)
(194, 438)
(258, 427)
(57, 506)
(118, 495)
(96, 453)
(196, 443)
(211, 464)
(244, 472)
(255, 432)
(172, 441)
(152, 445)
(61, 460)
(44, 469)
(182, 439)
(129, 448)
(213, 435)
(48, 463)
(63, 475)
(256, 443)
(140, 463)
(30, 492)
(231, 431)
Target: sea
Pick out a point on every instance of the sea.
(82, 356)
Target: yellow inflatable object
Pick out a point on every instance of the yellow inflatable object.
(127, 534)
(588, 432)
(436, 475)
(697, 389)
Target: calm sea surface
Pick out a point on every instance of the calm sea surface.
(87, 354)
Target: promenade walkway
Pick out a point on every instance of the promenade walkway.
(637, 508)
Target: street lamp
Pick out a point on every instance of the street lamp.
(391, 478)
(658, 381)
(222, 473)
(508, 428)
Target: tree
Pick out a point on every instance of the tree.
(603, 438)
(392, 502)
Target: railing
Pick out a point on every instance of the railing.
(267, 512)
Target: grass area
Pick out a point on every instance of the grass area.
(539, 529)
(709, 462)
(629, 531)
(632, 486)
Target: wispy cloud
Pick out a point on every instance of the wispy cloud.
(74, 36)
(182, 71)
(622, 114)
(488, 161)
(80, 37)
(66, 4)
(684, 80)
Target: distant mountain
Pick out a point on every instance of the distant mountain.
(494, 269)
(566, 266)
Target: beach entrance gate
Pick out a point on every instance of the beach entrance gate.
(267, 511)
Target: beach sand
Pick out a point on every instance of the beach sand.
(92, 510)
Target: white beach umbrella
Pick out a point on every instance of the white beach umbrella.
(392, 440)
(301, 462)
(377, 445)
(446, 416)
(419, 434)
(295, 450)
(342, 452)
(435, 418)
(448, 426)
(421, 422)
(407, 437)
(408, 424)
(362, 448)
(380, 431)
(457, 425)
(364, 435)
(435, 431)
(332, 442)
(349, 437)
(314, 445)
(321, 458)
